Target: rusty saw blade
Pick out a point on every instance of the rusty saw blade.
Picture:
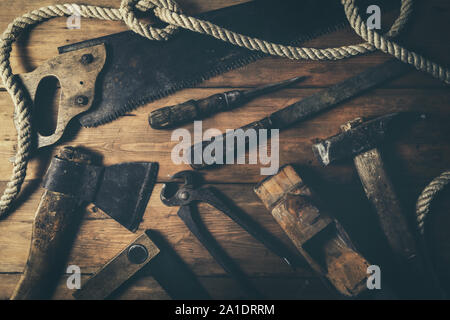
(138, 71)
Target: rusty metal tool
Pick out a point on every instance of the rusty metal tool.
(319, 237)
(73, 180)
(308, 107)
(173, 116)
(359, 140)
(150, 255)
(188, 194)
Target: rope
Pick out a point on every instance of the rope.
(427, 196)
(168, 11)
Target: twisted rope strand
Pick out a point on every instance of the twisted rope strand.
(168, 11)
(426, 198)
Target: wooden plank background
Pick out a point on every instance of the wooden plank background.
(418, 153)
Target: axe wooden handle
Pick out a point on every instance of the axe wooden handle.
(56, 220)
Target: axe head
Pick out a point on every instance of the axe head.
(124, 190)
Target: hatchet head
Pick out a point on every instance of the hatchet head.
(122, 190)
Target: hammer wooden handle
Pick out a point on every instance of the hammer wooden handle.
(317, 236)
(380, 192)
(408, 254)
(55, 221)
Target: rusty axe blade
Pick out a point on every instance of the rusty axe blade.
(125, 190)
(121, 191)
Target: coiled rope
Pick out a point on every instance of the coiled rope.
(169, 12)
(426, 197)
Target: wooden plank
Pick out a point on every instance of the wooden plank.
(417, 154)
(146, 288)
(131, 139)
(99, 231)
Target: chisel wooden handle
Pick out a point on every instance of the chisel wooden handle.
(56, 219)
(173, 116)
(169, 117)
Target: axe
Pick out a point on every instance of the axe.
(72, 180)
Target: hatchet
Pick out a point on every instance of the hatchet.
(73, 180)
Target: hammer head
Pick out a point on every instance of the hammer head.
(357, 137)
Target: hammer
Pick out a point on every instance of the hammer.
(359, 140)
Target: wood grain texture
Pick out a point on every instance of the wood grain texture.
(416, 154)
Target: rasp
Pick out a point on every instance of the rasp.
(138, 71)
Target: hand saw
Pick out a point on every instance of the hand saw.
(138, 71)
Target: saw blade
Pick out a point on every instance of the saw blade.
(139, 71)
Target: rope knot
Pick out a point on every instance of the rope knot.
(129, 7)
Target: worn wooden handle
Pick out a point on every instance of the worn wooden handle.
(177, 115)
(77, 72)
(407, 250)
(55, 223)
(50, 242)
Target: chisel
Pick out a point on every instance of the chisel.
(177, 115)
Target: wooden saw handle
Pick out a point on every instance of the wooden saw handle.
(77, 72)
(56, 219)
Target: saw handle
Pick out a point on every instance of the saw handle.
(180, 114)
(77, 73)
(54, 225)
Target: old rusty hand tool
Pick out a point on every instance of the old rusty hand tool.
(359, 140)
(148, 254)
(72, 180)
(173, 116)
(189, 193)
(308, 107)
(320, 238)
